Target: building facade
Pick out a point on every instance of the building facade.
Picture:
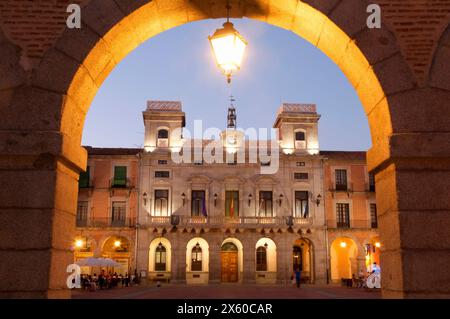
(200, 221)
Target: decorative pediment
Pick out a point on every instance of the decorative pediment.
(199, 179)
(233, 179)
(266, 179)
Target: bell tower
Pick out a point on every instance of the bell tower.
(164, 121)
(298, 128)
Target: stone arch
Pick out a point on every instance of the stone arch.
(343, 258)
(106, 39)
(43, 120)
(308, 257)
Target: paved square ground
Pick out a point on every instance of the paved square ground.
(229, 291)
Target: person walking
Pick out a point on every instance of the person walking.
(297, 277)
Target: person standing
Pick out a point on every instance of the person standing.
(297, 277)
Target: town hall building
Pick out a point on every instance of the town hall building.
(203, 222)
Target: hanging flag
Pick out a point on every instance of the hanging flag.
(232, 207)
(204, 213)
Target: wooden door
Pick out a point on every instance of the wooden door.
(229, 266)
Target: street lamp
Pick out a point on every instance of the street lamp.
(228, 47)
(79, 243)
(183, 198)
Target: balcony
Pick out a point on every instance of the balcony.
(120, 183)
(341, 188)
(106, 223)
(224, 221)
(352, 224)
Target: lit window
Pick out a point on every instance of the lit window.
(301, 204)
(196, 255)
(265, 204)
(160, 258)
(161, 202)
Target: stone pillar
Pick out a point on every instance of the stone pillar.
(178, 260)
(214, 260)
(361, 268)
(249, 256)
(39, 177)
(284, 260)
(320, 260)
(143, 245)
(414, 216)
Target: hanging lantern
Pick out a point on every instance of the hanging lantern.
(228, 47)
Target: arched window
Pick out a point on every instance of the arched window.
(163, 133)
(163, 138)
(300, 140)
(196, 257)
(299, 136)
(261, 258)
(160, 258)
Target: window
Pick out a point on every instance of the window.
(82, 213)
(163, 138)
(261, 259)
(300, 141)
(265, 204)
(299, 136)
(341, 179)
(163, 133)
(160, 258)
(301, 176)
(161, 202)
(301, 204)
(120, 176)
(373, 216)
(198, 204)
(343, 215)
(118, 214)
(162, 162)
(232, 204)
(83, 182)
(196, 255)
(371, 183)
(162, 174)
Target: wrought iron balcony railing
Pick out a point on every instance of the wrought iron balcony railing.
(120, 183)
(351, 224)
(106, 223)
(211, 221)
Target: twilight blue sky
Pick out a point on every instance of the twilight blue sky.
(178, 65)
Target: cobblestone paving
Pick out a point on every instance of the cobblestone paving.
(229, 292)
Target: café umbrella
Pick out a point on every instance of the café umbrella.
(97, 262)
